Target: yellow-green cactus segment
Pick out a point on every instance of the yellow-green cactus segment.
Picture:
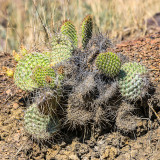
(62, 49)
(133, 81)
(69, 30)
(23, 76)
(21, 54)
(44, 76)
(87, 27)
(108, 63)
(38, 125)
(16, 55)
(23, 50)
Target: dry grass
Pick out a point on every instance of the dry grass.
(116, 17)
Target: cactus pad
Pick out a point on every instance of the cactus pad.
(23, 75)
(62, 49)
(40, 126)
(68, 29)
(108, 63)
(133, 81)
(44, 76)
(87, 27)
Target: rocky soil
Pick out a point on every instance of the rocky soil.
(143, 144)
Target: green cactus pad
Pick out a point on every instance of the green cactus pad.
(108, 63)
(69, 30)
(86, 30)
(133, 81)
(62, 49)
(23, 75)
(44, 76)
(40, 126)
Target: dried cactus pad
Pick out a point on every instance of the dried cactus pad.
(133, 81)
(68, 29)
(108, 63)
(38, 125)
(87, 27)
(23, 75)
(62, 49)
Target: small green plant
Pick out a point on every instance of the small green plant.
(108, 63)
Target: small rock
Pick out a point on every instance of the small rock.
(8, 92)
(16, 136)
(110, 152)
(15, 105)
(73, 157)
(60, 157)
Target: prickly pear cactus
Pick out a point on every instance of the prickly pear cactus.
(133, 81)
(108, 63)
(69, 30)
(87, 27)
(38, 125)
(44, 76)
(23, 75)
(62, 49)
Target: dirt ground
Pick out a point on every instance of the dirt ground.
(145, 144)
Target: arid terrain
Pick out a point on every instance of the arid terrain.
(143, 144)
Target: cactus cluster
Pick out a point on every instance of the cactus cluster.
(81, 87)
